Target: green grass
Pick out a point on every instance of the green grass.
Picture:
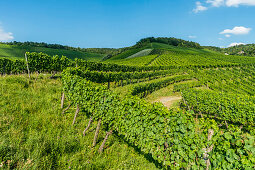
(142, 53)
(165, 92)
(136, 61)
(124, 55)
(16, 52)
(35, 135)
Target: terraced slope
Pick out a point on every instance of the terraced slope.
(164, 55)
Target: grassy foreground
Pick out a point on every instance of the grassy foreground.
(34, 133)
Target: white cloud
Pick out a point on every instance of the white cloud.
(5, 36)
(236, 3)
(227, 35)
(229, 3)
(192, 36)
(235, 44)
(216, 3)
(237, 31)
(199, 7)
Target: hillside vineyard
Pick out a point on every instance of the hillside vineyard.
(211, 128)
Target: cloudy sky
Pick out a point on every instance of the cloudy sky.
(120, 23)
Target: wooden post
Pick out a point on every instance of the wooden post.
(97, 132)
(76, 113)
(201, 114)
(27, 65)
(226, 124)
(37, 75)
(101, 148)
(208, 149)
(62, 100)
(67, 108)
(185, 102)
(85, 130)
(108, 84)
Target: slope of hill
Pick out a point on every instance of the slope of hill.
(141, 53)
(164, 54)
(15, 52)
(241, 50)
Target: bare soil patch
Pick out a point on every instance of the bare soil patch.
(169, 101)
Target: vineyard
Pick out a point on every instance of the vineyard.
(173, 56)
(105, 102)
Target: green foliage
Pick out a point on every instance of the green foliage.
(169, 41)
(42, 62)
(188, 85)
(242, 50)
(143, 89)
(11, 66)
(230, 107)
(137, 61)
(102, 77)
(182, 58)
(231, 80)
(174, 139)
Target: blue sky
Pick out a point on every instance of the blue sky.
(120, 23)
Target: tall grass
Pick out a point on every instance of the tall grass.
(34, 133)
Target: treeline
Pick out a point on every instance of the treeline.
(217, 49)
(107, 51)
(169, 41)
(245, 50)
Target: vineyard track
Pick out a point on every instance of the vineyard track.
(169, 101)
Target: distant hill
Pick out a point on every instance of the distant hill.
(241, 50)
(154, 48)
(18, 49)
(161, 54)
(151, 43)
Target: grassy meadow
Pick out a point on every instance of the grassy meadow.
(36, 135)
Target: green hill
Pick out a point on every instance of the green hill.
(241, 50)
(16, 51)
(164, 54)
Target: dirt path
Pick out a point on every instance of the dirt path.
(168, 101)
